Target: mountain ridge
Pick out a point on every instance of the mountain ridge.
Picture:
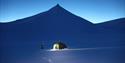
(53, 25)
(52, 10)
(57, 9)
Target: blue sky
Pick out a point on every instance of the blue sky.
(95, 11)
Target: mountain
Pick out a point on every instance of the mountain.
(20, 40)
(112, 32)
(54, 24)
(60, 24)
(114, 24)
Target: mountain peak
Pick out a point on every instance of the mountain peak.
(57, 8)
(58, 5)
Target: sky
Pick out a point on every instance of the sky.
(95, 11)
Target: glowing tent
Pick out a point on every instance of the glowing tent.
(59, 45)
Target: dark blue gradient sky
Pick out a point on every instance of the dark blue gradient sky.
(95, 11)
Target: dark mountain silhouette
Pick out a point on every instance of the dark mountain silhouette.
(112, 32)
(21, 39)
(114, 24)
(59, 24)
